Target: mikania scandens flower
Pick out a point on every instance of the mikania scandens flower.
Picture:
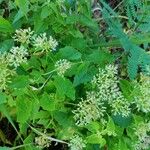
(5, 72)
(23, 35)
(106, 83)
(44, 43)
(120, 106)
(42, 141)
(142, 98)
(62, 66)
(76, 143)
(17, 55)
(142, 145)
(89, 110)
(142, 132)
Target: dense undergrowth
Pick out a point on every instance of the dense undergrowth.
(74, 74)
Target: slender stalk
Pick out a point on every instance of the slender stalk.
(48, 137)
(20, 146)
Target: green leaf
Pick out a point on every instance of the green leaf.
(39, 26)
(122, 121)
(19, 82)
(72, 19)
(6, 45)
(89, 23)
(29, 140)
(23, 5)
(42, 114)
(122, 145)
(110, 125)
(3, 98)
(79, 43)
(84, 74)
(18, 16)
(100, 57)
(69, 53)
(94, 127)
(66, 133)
(127, 89)
(96, 139)
(64, 87)
(47, 103)
(45, 12)
(62, 118)
(134, 61)
(5, 26)
(24, 108)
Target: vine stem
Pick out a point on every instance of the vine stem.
(43, 85)
(20, 146)
(48, 137)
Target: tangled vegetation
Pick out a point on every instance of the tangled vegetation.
(74, 74)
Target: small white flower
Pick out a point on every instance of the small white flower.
(76, 143)
(89, 110)
(62, 66)
(142, 98)
(17, 55)
(43, 43)
(5, 72)
(106, 83)
(141, 131)
(120, 106)
(42, 141)
(23, 35)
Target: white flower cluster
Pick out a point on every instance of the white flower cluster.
(23, 35)
(121, 106)
(5, 72)
(40, 42)
(62, 66)
(142, 99)
(17, 55)
(76, 143)
(106, 91)
(141, 132)
(106, 83)
(89, 110)
(43, 43)
(42, 142)
(144, 144)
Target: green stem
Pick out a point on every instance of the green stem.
(20, 146)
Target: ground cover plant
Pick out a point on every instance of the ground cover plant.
(74, 74)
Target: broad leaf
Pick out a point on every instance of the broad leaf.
(23, 5)
(5, 26)
(96, 139)
(3, 98)
(64, 87)
(20, 82)
(47, 103)
(69, 53)
(24, 108)
(122, 121)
